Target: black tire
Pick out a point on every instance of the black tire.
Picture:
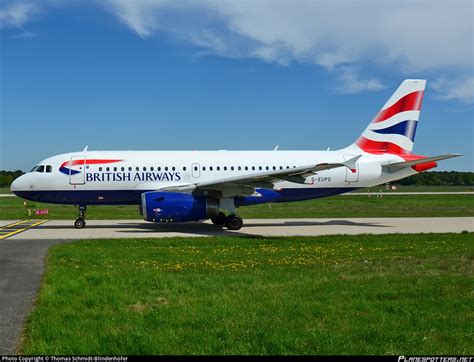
(79, 224)
(234, 222)
(219, 219)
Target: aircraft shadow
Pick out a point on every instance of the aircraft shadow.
(317, 223)
(199, 228)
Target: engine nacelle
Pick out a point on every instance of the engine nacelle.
(177, 207)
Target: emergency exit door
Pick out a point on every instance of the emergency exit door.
(196, 169)
(352, 175)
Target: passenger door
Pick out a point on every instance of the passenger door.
(77, 170)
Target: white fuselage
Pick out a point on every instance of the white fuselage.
(105, 177)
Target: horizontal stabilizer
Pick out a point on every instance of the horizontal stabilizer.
(394, 167)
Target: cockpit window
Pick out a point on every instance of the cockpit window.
(34, 169)
(49, 168)
(40, 169)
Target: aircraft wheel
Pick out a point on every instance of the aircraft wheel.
(79, 223)
(234, 222)
(219, 219)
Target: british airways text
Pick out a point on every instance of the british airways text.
(129, 176)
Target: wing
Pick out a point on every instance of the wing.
(246, 184)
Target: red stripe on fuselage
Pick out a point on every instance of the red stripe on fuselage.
(87, 162)
(410, 102)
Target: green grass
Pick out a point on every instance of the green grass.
(391, 294)
(4, 190)
(11, 208)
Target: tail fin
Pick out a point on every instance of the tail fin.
(393, 128)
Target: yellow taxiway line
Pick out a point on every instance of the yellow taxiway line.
(12, 229)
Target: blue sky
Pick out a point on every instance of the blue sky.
(156, 74)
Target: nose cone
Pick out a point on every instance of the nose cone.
(18, 185)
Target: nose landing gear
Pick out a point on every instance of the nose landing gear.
(81, 220)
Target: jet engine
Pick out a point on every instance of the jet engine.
(177, 207)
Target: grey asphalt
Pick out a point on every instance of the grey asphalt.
(22, 255)
(21, 269)
(98, 229)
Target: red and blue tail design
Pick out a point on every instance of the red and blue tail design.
(393, 128)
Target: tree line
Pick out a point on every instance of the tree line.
(433, 178)
(439, 178)
(7, 177)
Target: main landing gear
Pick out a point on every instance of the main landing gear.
(81, 220)
(232, 222)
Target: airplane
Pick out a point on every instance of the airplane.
(180, 186)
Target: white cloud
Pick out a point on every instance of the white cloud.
(17, 14)
(402, 38)
(406, 36)
(140, 15)
(352, 82)
(461, 89)
(331, 60)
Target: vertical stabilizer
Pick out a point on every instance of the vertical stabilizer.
(393, 128)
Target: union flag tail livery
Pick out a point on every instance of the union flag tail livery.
(178, 186)
(393, 128)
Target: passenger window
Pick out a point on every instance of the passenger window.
(274, 168)
(122, 169)
(49, 168)
(159, 168)
(195, 168)
(225, 168)
(281, 167)
(115, 169)
(137, 168)
(253, 168)
(210, 168)
(40, 169)
(184, 168)
(130, 169)
(107, 169)
(218, 168)
(232, 168)
(260, 168)
(239, 168)
(151, 168)
(173, 168)
(166, 168)
(100, 169)
(204, 168)
(267, 168)
(144, 168)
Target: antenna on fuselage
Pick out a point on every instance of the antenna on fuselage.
(276, 148)
(85, 149)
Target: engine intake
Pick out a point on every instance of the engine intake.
(177, 207)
